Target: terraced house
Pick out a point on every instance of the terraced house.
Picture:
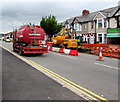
(93, 27)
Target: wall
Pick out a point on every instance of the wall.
(86, 31)
(113, 23)
(89, 28)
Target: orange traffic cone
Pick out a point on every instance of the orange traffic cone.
(100, 57)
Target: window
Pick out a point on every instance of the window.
(78, 27)
(105, 23)
(91, 39)
(100, 25)
(100, 38)
(92, 25)
(75, 26)
(67, 25)
(105, 41)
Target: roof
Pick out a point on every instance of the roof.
(69, 21)
(63, 23)
(90, 17)
(110, 11)
(86, 18)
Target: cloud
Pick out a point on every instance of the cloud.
(14, 14)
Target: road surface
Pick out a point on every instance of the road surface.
(0, 72)
(100, 77)
(22, 82)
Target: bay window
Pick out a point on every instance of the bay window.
(105, 23)
(77, 27)
(100, 24)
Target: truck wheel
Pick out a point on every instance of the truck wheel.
(61, 46)
(53, 45)
(40, 53)
(20, 52)
(14, 50)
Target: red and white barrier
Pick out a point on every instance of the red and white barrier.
(73, 52)
(55, 49)
(67, 51)
(62, 50)
(50, 48)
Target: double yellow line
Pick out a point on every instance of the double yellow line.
(85, 92)
(79, 88)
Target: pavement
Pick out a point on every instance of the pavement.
(20, 81)
(100, 77)
(0, 72)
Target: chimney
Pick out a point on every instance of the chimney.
(85, 12)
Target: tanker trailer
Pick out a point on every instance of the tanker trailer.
(30, 39)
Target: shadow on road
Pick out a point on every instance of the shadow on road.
(34, 55)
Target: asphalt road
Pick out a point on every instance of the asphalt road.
(22, 82)
(100, 77)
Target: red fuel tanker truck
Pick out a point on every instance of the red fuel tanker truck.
(30, 39)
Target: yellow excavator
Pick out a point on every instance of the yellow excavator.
(64, 39)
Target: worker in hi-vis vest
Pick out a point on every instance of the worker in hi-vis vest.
(78, 40)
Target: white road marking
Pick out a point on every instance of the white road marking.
(72, 57)
(107, 66)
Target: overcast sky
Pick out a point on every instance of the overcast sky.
(14, 14)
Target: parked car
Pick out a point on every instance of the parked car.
(1, 38)
(7, 40)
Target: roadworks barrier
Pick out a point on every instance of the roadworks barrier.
(64, 51)
(106, 49)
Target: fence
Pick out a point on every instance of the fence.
(106, 49)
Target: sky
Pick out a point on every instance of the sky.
(14, 14)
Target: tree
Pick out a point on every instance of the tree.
(50, 25)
